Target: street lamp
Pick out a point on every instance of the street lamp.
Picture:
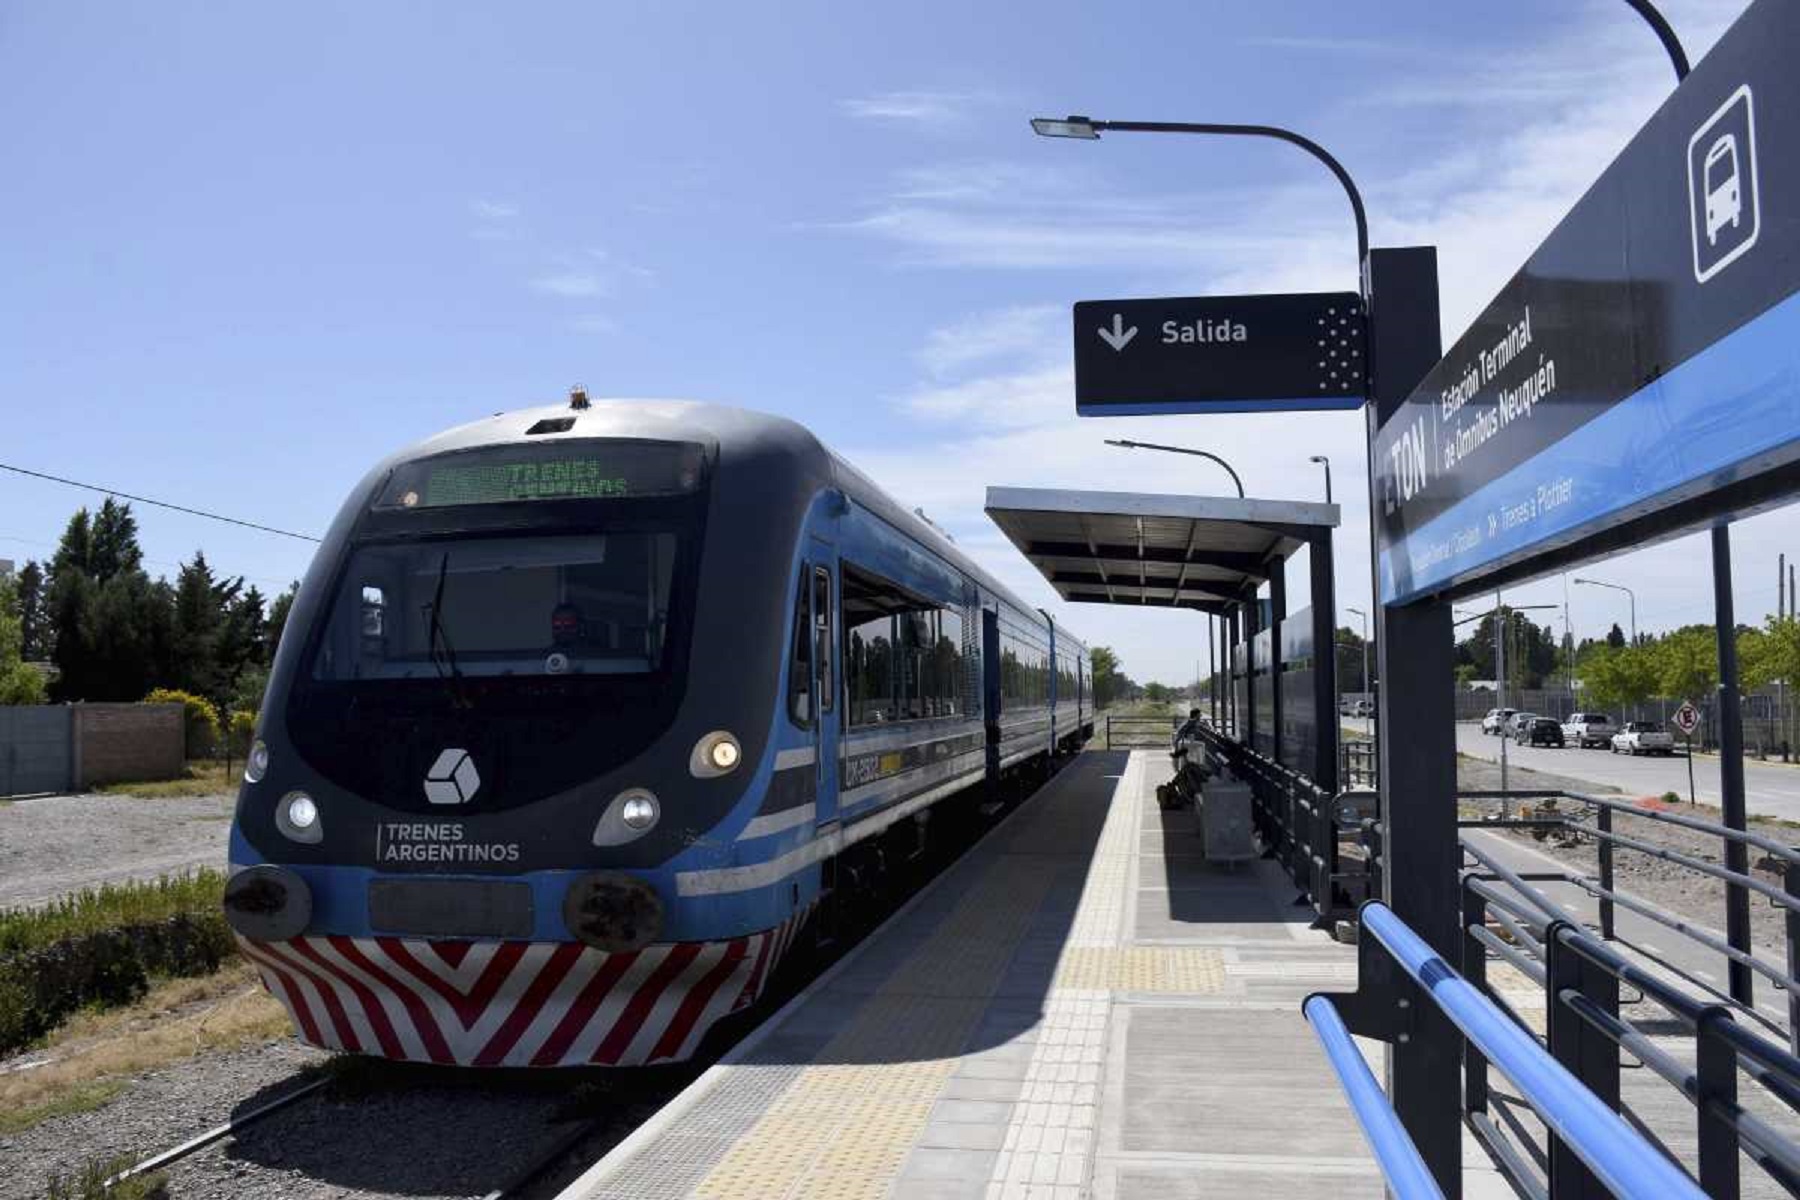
(1088, 129)
(1617, 587)
(1326, 463)
(1131, 445)
(1365, 649)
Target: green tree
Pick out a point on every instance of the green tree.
(1771, 653)
(19, 684)
(34, 614)
(1615, 677)
(1158, 693)
(113, 545)
(202, 602)
(1687, 663)
(1615, 637)
(279, 608)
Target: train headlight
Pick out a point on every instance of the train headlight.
(632, 814)
(718, 753)
(639, 811)
(297, 816)
(257, 765)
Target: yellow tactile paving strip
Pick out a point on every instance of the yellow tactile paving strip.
(1197, 970)
(845, 1125)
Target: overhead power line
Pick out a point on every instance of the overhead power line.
(180, 508)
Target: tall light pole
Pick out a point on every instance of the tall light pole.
(1131, 445)
(1326, 463)
(1617, 587)
(1368, 717)
(1089, 129)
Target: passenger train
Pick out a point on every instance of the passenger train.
(582, 712)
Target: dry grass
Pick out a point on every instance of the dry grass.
(203, 777)
(93, 1052)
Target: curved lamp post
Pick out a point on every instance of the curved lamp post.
(1131, 445)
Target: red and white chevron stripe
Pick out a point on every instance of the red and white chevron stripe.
(514, 1004)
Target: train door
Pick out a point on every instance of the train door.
(826, 681)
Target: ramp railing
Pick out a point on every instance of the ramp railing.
(1400, 973)
(1132, 732)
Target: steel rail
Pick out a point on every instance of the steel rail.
(1511, 877)
(218, 1132)
(1520, 961)
(1616, 1153)
(1401, 1165)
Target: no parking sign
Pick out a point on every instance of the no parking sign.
(1687, 718)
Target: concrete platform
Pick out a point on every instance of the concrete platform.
(1080, 1007)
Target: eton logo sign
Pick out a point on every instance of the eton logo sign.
(1724, 210)
(452, 778)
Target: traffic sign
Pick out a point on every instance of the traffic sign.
(1686, 718)
(1640, 369)
(1268, 353)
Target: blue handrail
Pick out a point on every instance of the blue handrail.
(1616, 1153)
(1407, 1176)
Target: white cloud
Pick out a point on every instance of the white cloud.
(574, 285)
(494, 210)
(1008, 333)
(922, 108)
(1000, 383)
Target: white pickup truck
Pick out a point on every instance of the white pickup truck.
(1586, 729)
(1643, 737)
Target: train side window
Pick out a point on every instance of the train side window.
(800, 708)
(822, 640)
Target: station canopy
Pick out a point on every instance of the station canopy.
(1199, 552)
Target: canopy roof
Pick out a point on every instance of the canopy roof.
(1200, 552)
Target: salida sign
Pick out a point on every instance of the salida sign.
(1647, 355)
(1219, 354)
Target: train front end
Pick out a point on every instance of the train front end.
(496, 812)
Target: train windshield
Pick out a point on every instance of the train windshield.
(571, 604)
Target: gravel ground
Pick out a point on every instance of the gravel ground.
(58, 844)
(164, 1107)
(1664, 884)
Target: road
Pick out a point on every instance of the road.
(1771, 789)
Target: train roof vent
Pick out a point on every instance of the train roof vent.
(552, 425)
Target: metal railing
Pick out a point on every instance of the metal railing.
(1358, 763)
(1139, 733)
(1581, 977)
(1302, 825)
(1601, 1142)
(1596, 820)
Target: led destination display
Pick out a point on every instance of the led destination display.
(574, 470)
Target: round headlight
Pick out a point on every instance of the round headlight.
(257, 765)
(639, 811)
(302, 813)
(718, 753)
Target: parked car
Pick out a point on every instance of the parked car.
(1495, 721)
(1362, 708)
(1586, 729)
(1643, 737)
(1543, 731)
(1519, 725)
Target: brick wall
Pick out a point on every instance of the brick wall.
(116, 742)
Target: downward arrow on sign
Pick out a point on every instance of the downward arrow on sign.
(1118, 337)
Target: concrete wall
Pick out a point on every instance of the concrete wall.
(117, 742)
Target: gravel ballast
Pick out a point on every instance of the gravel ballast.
(60, 844)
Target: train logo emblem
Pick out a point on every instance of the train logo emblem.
(1724, 211)
(452, 778)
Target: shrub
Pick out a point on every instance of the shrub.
(103, 947)
(200, 716)
(243, 732)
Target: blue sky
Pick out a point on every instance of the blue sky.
(248, 252)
